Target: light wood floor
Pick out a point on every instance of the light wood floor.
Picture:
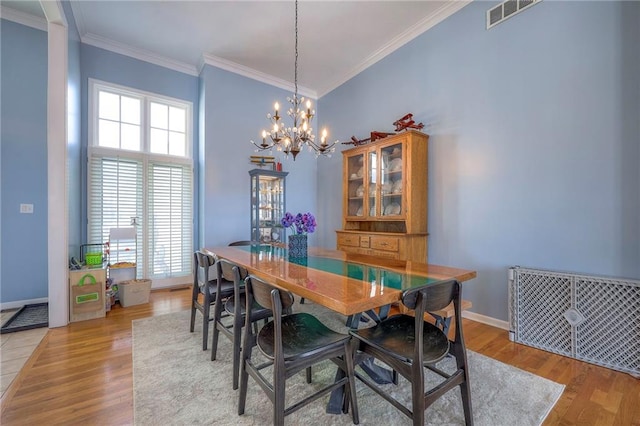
(82, 374)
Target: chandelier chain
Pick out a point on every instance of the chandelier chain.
(295, 75)
(291, 140)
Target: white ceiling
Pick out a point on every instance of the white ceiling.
(337, 39)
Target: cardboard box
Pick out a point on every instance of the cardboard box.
(134, 292)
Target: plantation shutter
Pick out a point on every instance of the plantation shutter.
(169, 202)
(115, 198)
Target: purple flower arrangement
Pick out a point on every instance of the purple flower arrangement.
(300, 224)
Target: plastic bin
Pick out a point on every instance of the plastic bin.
(134, 292)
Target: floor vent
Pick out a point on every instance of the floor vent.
(506, 10)
(591, 318)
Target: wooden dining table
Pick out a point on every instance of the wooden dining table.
(347, 283)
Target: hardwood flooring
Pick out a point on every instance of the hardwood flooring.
(82, 374)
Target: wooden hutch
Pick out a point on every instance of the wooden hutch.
(385, 198)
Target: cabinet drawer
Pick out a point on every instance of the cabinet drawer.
(385, 254)
(364, 241)
(349, 240)
(385, 243)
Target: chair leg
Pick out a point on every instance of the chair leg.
(193, 317)
(245, 356)
(417, 396)
(205, 326)
(309, 375)
(465, 391)
(216, 332)
(351, 391)
(237, 333)
(278, 398)
(244, 379)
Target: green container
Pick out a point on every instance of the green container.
(93, 259)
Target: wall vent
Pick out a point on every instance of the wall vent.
(507, 9)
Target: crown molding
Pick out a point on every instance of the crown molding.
(245, 71)
(448, 9)
(54, 12)
(23, 18)
(140, 54)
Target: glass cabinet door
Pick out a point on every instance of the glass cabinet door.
(355, 186)
(391, 180)
(267, 205)
(372, 187)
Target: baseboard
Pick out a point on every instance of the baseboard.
(486, 320)
(172, 287)
(21, 303)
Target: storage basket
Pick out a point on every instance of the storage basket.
(91, 254)
(134, 292)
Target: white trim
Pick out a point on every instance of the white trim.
(57, 203)
(54, 12)
(23, 18)
(486, 320)
(448, 9)
(21, 303)
(140, 54)
(145, 97)
(177, 282)
(255, 75)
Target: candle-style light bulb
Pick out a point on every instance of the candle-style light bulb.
(324, 136)
(276, 106)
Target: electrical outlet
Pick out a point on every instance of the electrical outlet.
(26, 208)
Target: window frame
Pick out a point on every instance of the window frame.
(146, 158)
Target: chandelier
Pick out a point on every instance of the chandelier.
(291, 140)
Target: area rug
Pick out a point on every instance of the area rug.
(26, 318)
(175, 383)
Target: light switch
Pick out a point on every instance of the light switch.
(26, 208)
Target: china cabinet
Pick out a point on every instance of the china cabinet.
(267, 205)
(385, 198)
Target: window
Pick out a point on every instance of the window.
(140, 171)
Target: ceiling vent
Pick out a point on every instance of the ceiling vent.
(506, 10)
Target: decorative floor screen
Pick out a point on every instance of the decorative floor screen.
(590, 318)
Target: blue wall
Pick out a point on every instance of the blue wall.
(235, 110)
(534, 147)
(23, 90)
(74, 141)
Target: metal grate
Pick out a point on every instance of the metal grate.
(590, 318)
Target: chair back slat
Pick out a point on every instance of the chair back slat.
(203, 261)
(261, 292)
(435, 296)
(227, 270)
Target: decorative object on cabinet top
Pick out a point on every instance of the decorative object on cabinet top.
(405, 122)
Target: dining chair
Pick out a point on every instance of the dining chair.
(291, 343)
(207, 286)
(409, 344)
(233, 307)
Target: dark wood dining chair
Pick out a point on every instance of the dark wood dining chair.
(291, 343)
(234, 307)
(408, 344)
(206, 285)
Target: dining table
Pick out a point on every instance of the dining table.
(348, 283)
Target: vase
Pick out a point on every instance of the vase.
(297, 246)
